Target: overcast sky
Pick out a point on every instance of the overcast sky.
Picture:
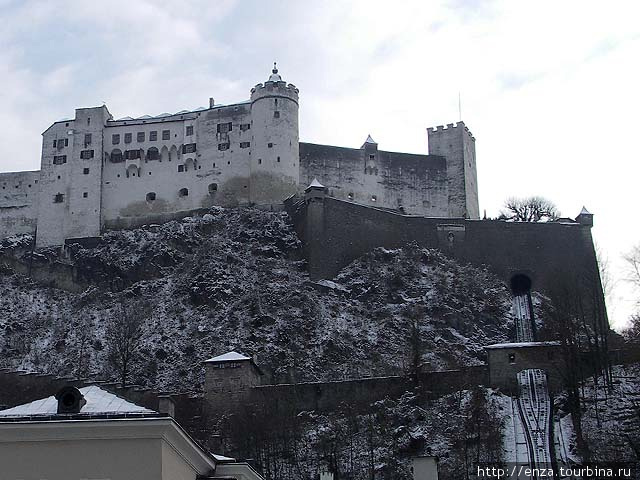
(549, 89)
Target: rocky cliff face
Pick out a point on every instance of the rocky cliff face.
(234, 279)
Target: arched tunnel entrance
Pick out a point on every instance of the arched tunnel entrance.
(520, 284)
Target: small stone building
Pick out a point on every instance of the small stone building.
(507, 359)
(228, 381)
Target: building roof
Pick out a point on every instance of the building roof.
(228, 357)
(584, 211)
(522, 345)
(315, 184)
(370, 140)
(99, 402)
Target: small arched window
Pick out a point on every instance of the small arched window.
(184, 192)
(213, 188)
(153, 154)
(151, 196)
(116, 156)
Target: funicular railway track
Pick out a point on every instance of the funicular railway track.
(532, 408)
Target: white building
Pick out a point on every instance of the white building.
(92, 434)
(101, 173)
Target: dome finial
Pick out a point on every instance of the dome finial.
(274, 74)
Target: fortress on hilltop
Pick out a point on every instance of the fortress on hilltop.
(99, 173)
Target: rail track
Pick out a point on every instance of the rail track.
(532, 408)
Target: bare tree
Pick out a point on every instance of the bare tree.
(124, 335)
(633, 266)
(607, 279)
(530, 209)
(632, 332)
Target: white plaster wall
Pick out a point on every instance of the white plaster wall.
(125, 197)
(52, 217)
(275, 170)
(18, 202)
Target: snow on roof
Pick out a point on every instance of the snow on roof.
(124, 118)
(522, 345)
(181, 111)
(316, 184)
(165, 114)
(584, 211)
(99, 402)
(144, 117)
(228, 357)
(370, 140)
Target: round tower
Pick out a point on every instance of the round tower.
(275, 169)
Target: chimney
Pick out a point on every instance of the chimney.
(211, 103)
(166, 405)
(70, 400)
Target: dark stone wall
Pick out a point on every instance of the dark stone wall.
(416, 183)
(336, 232)
(503, 371)
(360, 393)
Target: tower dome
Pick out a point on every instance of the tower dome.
(274, 77)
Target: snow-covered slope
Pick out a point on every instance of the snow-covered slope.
(234, 280)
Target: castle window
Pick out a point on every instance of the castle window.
(54, 143)
(132, 154)
(140, 137)
(189, 130)
(88, 120)
(166, 135)
(86, 154)
(213, 188)
(151, 196)
(214, 164)
(224, 127)
(184, 192)
(115, 139)
(372, 157)
(512, 358)
(245, 144)
(128, 137)
(85, 194)
(180, 168)
(87, 139)
(153, 154)
(223, 146)
(259, 161)
(270, 145)
(245, 126)
(85, 171)
(59, 159)
(116, 156)
(153, 136)
(374, 198)
(276, 114)
(350, 196)
(278, 160)
(189, 148)
(58, 198)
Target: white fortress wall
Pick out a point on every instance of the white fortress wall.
(18, 202)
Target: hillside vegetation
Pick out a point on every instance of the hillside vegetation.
(234, 280)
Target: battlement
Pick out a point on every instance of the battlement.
(450, 127)
(272, 88)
